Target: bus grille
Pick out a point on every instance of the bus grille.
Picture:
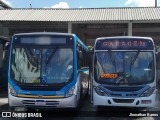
(116, 95)
(48, 103)
(123, 100)
(122, 95)
(41, 88)
(123, 89)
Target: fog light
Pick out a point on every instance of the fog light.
(146, 101)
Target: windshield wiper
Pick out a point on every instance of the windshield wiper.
(50, 56)
(134, 59)
(33, 58)
(112, 59)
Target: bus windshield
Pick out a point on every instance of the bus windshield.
(42, 65)
(124, 67)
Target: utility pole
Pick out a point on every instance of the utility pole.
(155, 3)
(30, 5)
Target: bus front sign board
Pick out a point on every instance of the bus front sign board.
(131, 44)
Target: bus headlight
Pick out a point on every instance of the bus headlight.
(148, 92)
(12, 91)
(70, 92)
(99, 91)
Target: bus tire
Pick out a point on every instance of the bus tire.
(79, 101)
(88, 90)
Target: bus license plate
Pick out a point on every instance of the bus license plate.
(40, 103)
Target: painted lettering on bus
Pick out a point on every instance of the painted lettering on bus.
(124, 43)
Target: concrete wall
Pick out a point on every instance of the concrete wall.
(4, 31)
(86, 31)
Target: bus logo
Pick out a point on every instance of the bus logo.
(6, 114)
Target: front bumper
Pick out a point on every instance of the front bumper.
(69, 102)
(123, 102)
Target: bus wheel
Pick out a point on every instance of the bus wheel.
(79, 102)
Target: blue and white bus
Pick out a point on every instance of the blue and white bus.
(124, 72)
(46, 70)
(3, 62)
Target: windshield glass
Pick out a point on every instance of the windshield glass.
(42, 65)
(121, 67)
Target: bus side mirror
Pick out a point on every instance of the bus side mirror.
(157, 49)
(79, 54)
(91, 49)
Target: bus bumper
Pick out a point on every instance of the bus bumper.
(149, 101)
(70, 102)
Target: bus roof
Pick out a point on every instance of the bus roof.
(55, 33)
(116, 37)
(46, 33)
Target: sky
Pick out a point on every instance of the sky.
(80, 3)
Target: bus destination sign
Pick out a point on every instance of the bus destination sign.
(124, 44)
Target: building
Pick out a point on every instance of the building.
(87, 23)
(4, 5)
